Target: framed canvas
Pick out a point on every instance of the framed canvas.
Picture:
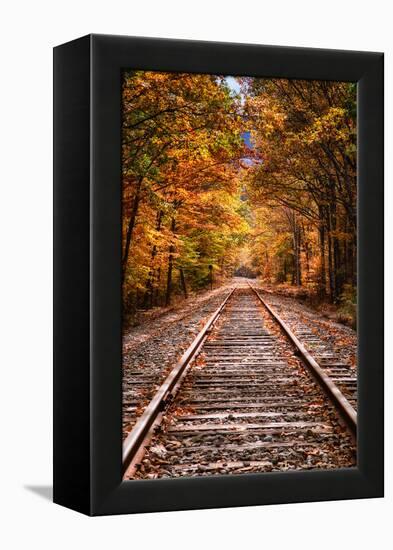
(196, 184)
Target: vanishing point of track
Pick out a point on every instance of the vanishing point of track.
(246, 396)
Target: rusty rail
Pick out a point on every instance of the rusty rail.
(345, 409)
(137, 438)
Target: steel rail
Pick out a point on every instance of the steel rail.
(137, 436)
(346, 410)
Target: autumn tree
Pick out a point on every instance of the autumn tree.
(182, 151)
(304, 135)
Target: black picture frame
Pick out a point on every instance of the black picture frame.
(87, 274)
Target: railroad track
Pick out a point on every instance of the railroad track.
(246, 396)
(336, 366)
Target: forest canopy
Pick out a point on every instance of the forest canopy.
(257, 179)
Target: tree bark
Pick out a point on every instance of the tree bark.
(296, 252)
(183, 282)
(150, 281)
(156, 288)
(332, 288)
(337, 268)
(131, 224)
(322, 272)
(170, 267)
(298, 256)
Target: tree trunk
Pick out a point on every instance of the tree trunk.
(170, 267)
(183, 282)
(322, 272)
(298, 256)
(330, 263)
(150, 281)
(336, 251)
(131, 224)
(156, 288)
(306, 247)
(296, 253)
